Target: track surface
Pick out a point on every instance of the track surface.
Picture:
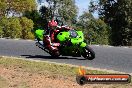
(111, 58)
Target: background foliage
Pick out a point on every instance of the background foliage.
(118, 15)
(20, 18)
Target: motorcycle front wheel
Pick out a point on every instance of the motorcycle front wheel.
(88, 53)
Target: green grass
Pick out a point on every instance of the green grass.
(48, 68)
(44, 67)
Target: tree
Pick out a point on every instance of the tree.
(46, 16)
(95, 30)
(117, 14)
(14, 27)
(66, 9)
(1, 31)
(40, 19)
(27, 26)
(35, 17)
(19, 6)
(10, 27)
(16, 7)
(3, 6)
(4, 23)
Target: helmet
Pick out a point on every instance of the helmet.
(52, 24)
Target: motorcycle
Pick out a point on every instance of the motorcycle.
(71, 43)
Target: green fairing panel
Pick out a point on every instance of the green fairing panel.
(39, 34)
(83, 44)
(79, 39)
(63, 36)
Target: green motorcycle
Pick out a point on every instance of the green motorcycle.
(71, 44)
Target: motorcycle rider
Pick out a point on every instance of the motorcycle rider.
(49, 36)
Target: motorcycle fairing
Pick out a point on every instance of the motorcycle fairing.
(39, 34)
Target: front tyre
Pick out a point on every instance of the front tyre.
(88, 53)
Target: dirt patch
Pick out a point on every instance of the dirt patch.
(18, 78)
(17, 73)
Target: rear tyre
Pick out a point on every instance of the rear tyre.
(55, 54)
(88, 53)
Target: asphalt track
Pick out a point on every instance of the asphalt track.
(111, 58)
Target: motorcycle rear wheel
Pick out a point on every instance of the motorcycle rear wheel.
(88, 53)
(55, 54)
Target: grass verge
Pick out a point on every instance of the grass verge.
(44, 68)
